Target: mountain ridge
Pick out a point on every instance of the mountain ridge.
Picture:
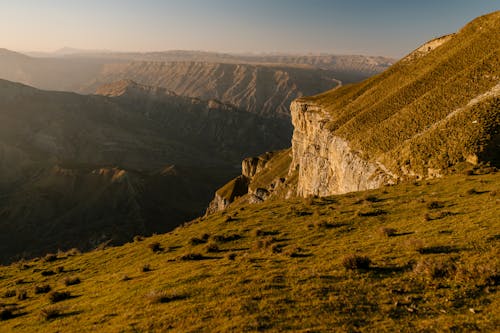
(424, 117)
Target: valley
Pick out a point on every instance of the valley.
(199, 191)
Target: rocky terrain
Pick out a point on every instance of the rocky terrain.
(260, 89)
(437, 108)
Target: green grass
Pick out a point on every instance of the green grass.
(279, 266)
(392, 117)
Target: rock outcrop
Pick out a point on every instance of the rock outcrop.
(432, 113)
(326, 164)
(263, 177)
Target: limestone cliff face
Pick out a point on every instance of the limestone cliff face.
(325, 163)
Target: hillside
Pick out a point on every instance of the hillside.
(281, 266)
(80, 170)
(216, 128)
(433, 111)
(435, 108)
(261, 89)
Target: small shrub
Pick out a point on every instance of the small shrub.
(157, 297)
(51, 257)
(42, 289)
(73, 252)
(58, 296)
(146, 268)
(50, 313)
(327, 225)
(231, 256)
(138, 239)
(434, 268)
(9, 293)
(229, 219)
(276, 248)
(7, 313)
(354, 262)
(258, 232)
(22, 295)
(48, 273)
(388, 232)
(60, 269)
(196, 241)
(225, 239)
(372, 198)
(212, 248)
(71, 281)
(155, 247)
(369, 213)
(472, 191)
(192, 256)
(469, 172)
(438, 249)
(435, 205)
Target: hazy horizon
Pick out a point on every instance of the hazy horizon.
(386, 28)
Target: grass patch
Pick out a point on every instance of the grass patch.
(355, 262)
(59, 296)
(296, 272)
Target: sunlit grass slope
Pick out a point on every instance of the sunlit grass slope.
(419, 257)
(435, 108)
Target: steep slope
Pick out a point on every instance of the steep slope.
(261, 89)
(437, 108)
(219, 129)
(284, 266)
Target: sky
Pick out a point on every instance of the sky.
(371, 27)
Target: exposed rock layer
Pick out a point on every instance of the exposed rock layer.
(325, 162)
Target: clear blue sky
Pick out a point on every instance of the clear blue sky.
(376, 27)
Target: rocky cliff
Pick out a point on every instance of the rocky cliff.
(432, 113)
(325, 162)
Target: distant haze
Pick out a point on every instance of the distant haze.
(376, 27)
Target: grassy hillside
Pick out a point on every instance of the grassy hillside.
(435, 108)
(413, 257)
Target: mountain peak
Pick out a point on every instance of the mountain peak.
(11, 54)
(130, 88)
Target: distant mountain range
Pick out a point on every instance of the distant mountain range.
(264, 84)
